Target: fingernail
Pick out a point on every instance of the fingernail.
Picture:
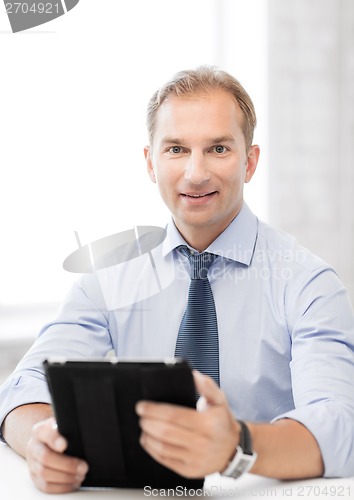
(139, 408)
(202, 404)
(60, 443)
(82, 468)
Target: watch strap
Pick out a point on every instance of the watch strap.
(245, 439)
(244, 457)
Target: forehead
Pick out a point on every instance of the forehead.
(215, 112)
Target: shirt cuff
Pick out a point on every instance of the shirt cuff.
(20, 391)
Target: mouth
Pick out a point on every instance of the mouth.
(198, 195)
(196, 199)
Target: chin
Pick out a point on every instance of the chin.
(198, 223)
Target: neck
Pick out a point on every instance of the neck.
(199, 237)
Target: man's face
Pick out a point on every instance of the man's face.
(199, 161)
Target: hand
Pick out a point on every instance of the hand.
(190, 442)
(50, 469)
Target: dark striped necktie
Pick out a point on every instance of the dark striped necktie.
(197, 340)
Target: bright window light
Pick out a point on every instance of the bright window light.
(72, 126)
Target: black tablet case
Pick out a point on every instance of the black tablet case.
(94, 404)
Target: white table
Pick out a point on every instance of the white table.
(15, 484)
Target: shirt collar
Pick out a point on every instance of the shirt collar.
(236, 242)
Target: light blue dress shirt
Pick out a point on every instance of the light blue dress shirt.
(286, 330)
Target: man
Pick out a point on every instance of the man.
(285, 325)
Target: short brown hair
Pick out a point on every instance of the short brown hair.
(204, 79)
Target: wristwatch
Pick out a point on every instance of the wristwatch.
(244, 457)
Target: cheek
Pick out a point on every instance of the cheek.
(166, 176)
(163, 182)
(235, 178)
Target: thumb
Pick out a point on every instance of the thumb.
(208, 389)
(46, 431)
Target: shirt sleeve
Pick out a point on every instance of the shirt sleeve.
(321, 325)
(79, 332)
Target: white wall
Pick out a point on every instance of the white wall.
(311, 97)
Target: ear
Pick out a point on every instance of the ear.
(252, 160)
(149, 164)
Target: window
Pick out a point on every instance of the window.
(72, 128)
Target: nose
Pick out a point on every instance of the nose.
(196, 171)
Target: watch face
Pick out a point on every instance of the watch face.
(240, 464)
(242, 467)
(244, 458)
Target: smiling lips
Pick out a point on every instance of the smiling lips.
(198, 195)
(198, 198)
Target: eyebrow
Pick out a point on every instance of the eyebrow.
(214, 140)
(171, 140)
(224, 138)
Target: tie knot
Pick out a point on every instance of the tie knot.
(199, 262)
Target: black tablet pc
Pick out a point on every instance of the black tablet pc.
(94, 405)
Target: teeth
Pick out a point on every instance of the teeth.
(196, 195)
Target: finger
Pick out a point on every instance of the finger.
(178, 415)
(209, 389)
(47, 446)
(47, 432)
(169, 434)
(172, 457)
(161, 451)
(54, 480)
(46, 487)
(56, 476)
(39, 452)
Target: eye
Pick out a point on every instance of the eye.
(175, 150)
(219, 149)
